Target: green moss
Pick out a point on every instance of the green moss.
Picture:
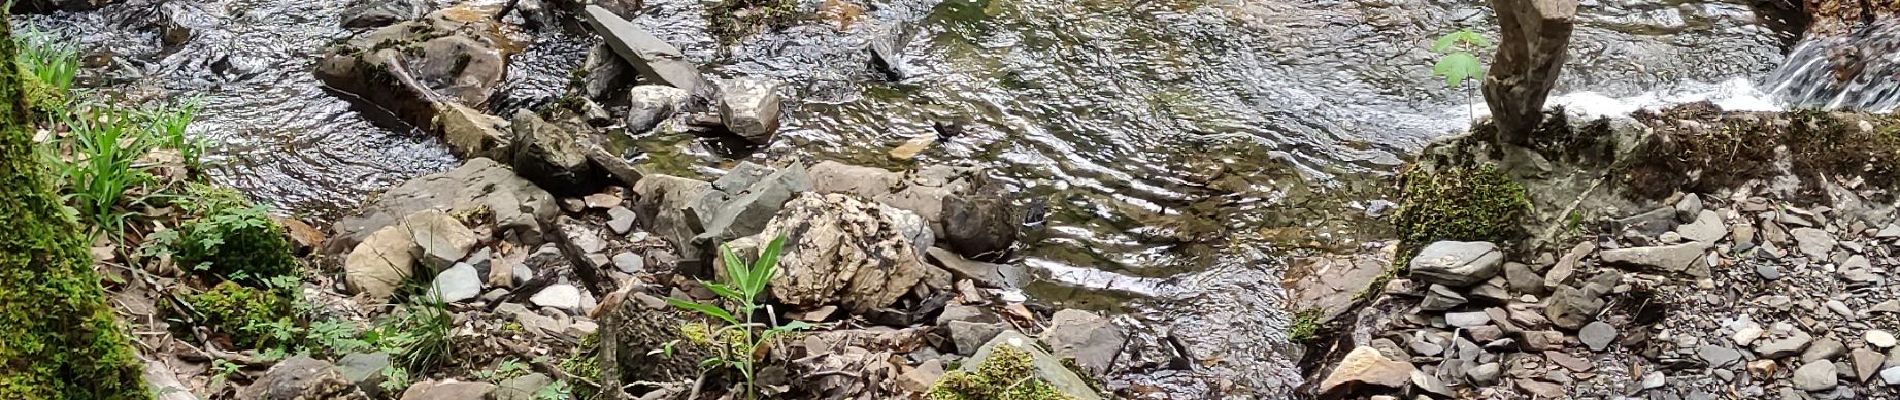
(1009, 374)
(584, 363)
(230, 238)
(59, 340)
(1464, 203)
(241, 313)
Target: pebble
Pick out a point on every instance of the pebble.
(1467, 319)
(1747, 334)
(1839, 307)
(1654, 380)
(565, 297)
(1719, 356)
(620, 219)
(1880, 338)
(1769, 272)
(1597, 335)
(630, 263)
(1816, 376)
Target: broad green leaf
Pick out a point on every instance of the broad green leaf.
(768, 263)
(736, 270)
(1444, 42)
(723, 291)
(709, 310)
(1457, 67)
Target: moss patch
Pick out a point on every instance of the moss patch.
(1009, 374)
(240, 313)
(1465, 203)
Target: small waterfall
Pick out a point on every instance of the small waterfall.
(1860, 71)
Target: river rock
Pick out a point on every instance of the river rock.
(1816, 376)
(648, 105)
(379, 13)
(1866, 362)
(607, 73)
(448, 390)
(1571, 308)
(1364, 365)
(1825, 349)
(382, 263)
(564, 297)
(301, 377)
(442, 238)
(1671, 258)
(1467, 319)
(1047, 367)
(994, 276)
(553, 155)
(1815, 243)
(470, 133)
(653, 58)
(1718, 356)
(750, 108)
(969, 336)
(1597, 335)
(481, 183)
(408, 67)
(457, 283)
(1707, 228)
(1880, 338)
(745, 200)
(1331, 283)
(984, 225)
(1891, 376)
(1457, 264)
(923, 191)
(365, 370)
(1091, 340)
(1523, 279)
(1789, 344)
(1689, 209)
(846, 252)
(521, 387)
(665, 202)
(1441, 298)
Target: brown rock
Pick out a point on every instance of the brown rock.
(1365, 366)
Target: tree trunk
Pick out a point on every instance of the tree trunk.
(1535, 35)
(58, 337)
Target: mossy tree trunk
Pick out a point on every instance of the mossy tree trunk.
(58, 338)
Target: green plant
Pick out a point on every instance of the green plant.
(1305, 325)
(1008, 374)
(105, 145)
(51, 64)
(248, 316)
(395, 379)
(418, 335)
(1456, 63)
(334, 338)
(746, 283)
(230, 238)
(169, 123)
(507, 369)
(555, 391)
(222, 370)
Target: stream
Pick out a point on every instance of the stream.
(1186, 149)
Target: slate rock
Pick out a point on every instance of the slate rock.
(1457, 264)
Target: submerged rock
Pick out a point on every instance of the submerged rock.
(648, 105)
(554, 155)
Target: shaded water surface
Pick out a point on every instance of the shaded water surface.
(1186, 149)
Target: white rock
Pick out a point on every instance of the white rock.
(1880, 338)
(565, 297)
(629, 262)
(458, 283)
(1747, 334)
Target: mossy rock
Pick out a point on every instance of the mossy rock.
(231, 238)
(1009, 374)
(1460, 202)
(241, 313)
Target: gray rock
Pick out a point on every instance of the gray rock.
(1671, 258)
(1440, 298)
(442, 238)
(365, 370)
(1523, 279)
(630, 263)
(521, 387)
(1091, 340)
(607, 72)
(457, 283)
(1047, 366)
(750, 108)
(1467, 319)
(470, 133)
(1689, 209)
(620, 219)
(1789, 345)
(1485, 374)
(382, 263)
(983, 225)
(840, 236)
(518, 205)
(732, 213)
(1866, 363)
(996, 276)
(410, 66)
(299, 378)
(1654, 380)
(1431, 384)
(1768, 271)
(1457, 264)
(1571, 308)
(970, 336)
(1719, 356)
(652, 104)
(1816, 376)
(379, 13)
(1891, 376)
(665, 202)
(565, 297)
(1652, 223)
(1559, 274)
(1597, 335)
(959, 312)
(448, 390)
(1707, 228)
(554, 155)
(1824, 349)
(1815, 243)
(654, 59)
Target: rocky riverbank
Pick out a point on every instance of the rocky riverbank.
(1687, 253)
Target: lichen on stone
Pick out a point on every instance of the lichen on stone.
(1008, 374)
(1466, 203)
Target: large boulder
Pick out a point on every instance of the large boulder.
(750, 108)
(471, 133)
(554, 155)
(840, 250)
(977, 234)
(299, 378)
(408, 67)
(518, 206)
(656, 60)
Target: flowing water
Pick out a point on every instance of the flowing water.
(1186, 149)
(1849, 71)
